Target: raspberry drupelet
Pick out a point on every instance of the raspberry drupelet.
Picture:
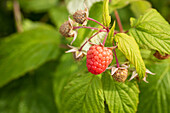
(98, 59)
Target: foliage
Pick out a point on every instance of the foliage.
(37, 76)
(152, 31)
(130, 49)
(120, 97)
(158, 89)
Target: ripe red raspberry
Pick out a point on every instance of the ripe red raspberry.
(121, 75)
(98, 59)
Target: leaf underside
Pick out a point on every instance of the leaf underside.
(106, 16)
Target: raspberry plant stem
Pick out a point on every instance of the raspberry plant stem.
(78, 27)
(117, 62)
(126, 31)
(121, 30)
(105, 38)
(96, 22)
(118, 21)
(89, 40)
(17, 15)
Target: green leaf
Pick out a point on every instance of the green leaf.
(32, 93)
(130, 49)
(81, 36)
(106, 108)
(63, 73)
(146, 54)
(95, 13)
(155, 96)
(6, 20)
(58, 15)
(117, 4)
(140, 7)
(84, 94)
(37, 5)
(109, 41)
(74, 5)
(26, 51)
(28, 25)
(151, 31)
(98, 38)
(106, 16)
(121, 57)
(120, 97)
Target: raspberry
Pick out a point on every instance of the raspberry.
(80, 16)
(121, 75)
(79, 57)
(161, 57)
(98, 59)
(65, 29)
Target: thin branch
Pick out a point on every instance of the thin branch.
(105, 38)
(117, 62)
(126, 31)
(17, 15)
(97, 22)
(118, 21)
(78, 27)
(89, 40)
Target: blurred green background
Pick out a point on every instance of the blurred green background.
(33, 76)
(54, 12)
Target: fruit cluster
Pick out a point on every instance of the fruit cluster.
(80, 17)
(99, 57)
